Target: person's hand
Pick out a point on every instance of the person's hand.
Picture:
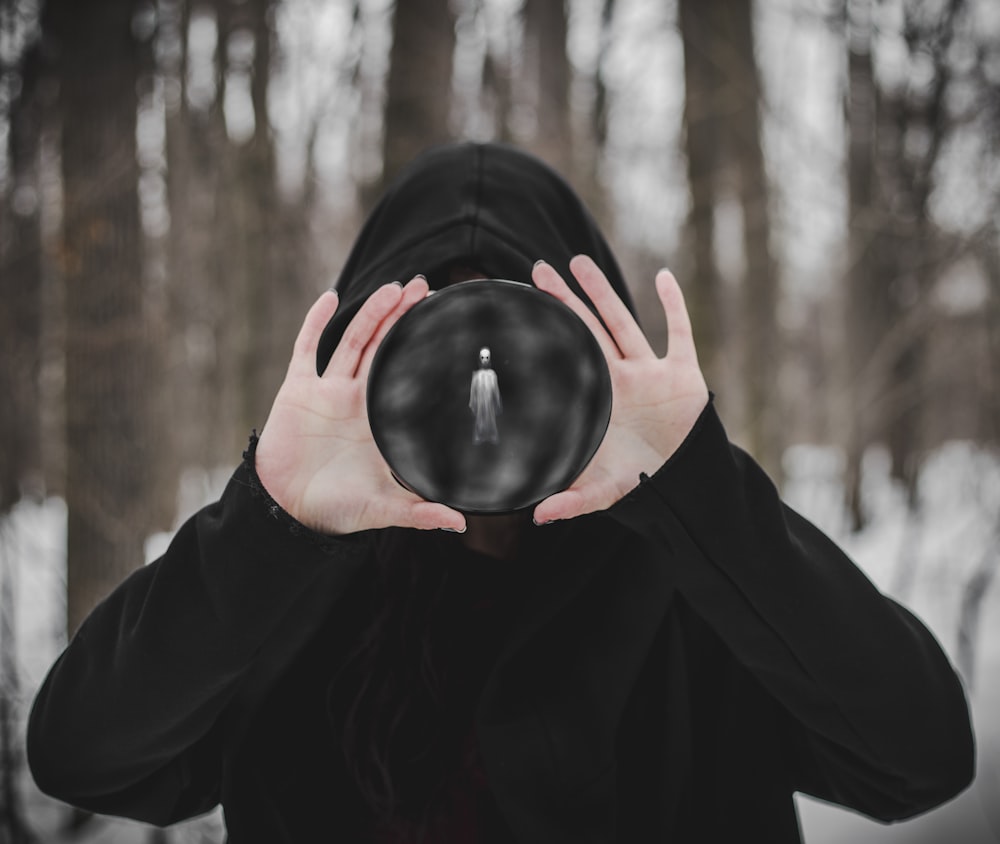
(316, 456)
(656, 401)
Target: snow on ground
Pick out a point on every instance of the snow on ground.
(924, 559)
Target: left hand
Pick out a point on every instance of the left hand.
(656, 401)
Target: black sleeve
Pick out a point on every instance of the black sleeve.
(879, 720)
(127, 721)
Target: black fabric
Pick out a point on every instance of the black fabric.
(672, 669)
(682, 679)
(291, 751)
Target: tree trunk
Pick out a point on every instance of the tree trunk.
(418, 96)
(547, 76)
(188, 309)
(588, 148)
(739, 349)
(761, 335)
(106, 359)
(701, 145)
(925, 112)
(864, 305)
(269, 292)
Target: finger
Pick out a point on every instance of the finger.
(680, 338)
(430, 516)
(304, 351)
(362, 328)
(410, 510)
(413, 292)
(571, 503)
(620, 323)
(546, 278)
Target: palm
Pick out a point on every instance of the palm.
(656, 400)
(316, 456)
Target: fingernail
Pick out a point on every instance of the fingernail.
(541, 524)
(421, 275)
(455, 530)
(539, 261)
(398, 284)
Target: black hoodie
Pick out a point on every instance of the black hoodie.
(677, 668)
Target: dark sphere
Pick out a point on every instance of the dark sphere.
(496, 435)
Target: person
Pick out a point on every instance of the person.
(661, 651)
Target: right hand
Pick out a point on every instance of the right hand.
(316, 456)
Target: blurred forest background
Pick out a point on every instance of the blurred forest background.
(179, 179)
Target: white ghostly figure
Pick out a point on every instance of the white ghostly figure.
(484, 400)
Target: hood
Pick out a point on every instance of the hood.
(487, 207)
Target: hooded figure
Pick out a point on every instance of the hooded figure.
(672, 667)
(475, 209)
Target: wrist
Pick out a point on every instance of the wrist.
(679, 422)
(265, 484)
